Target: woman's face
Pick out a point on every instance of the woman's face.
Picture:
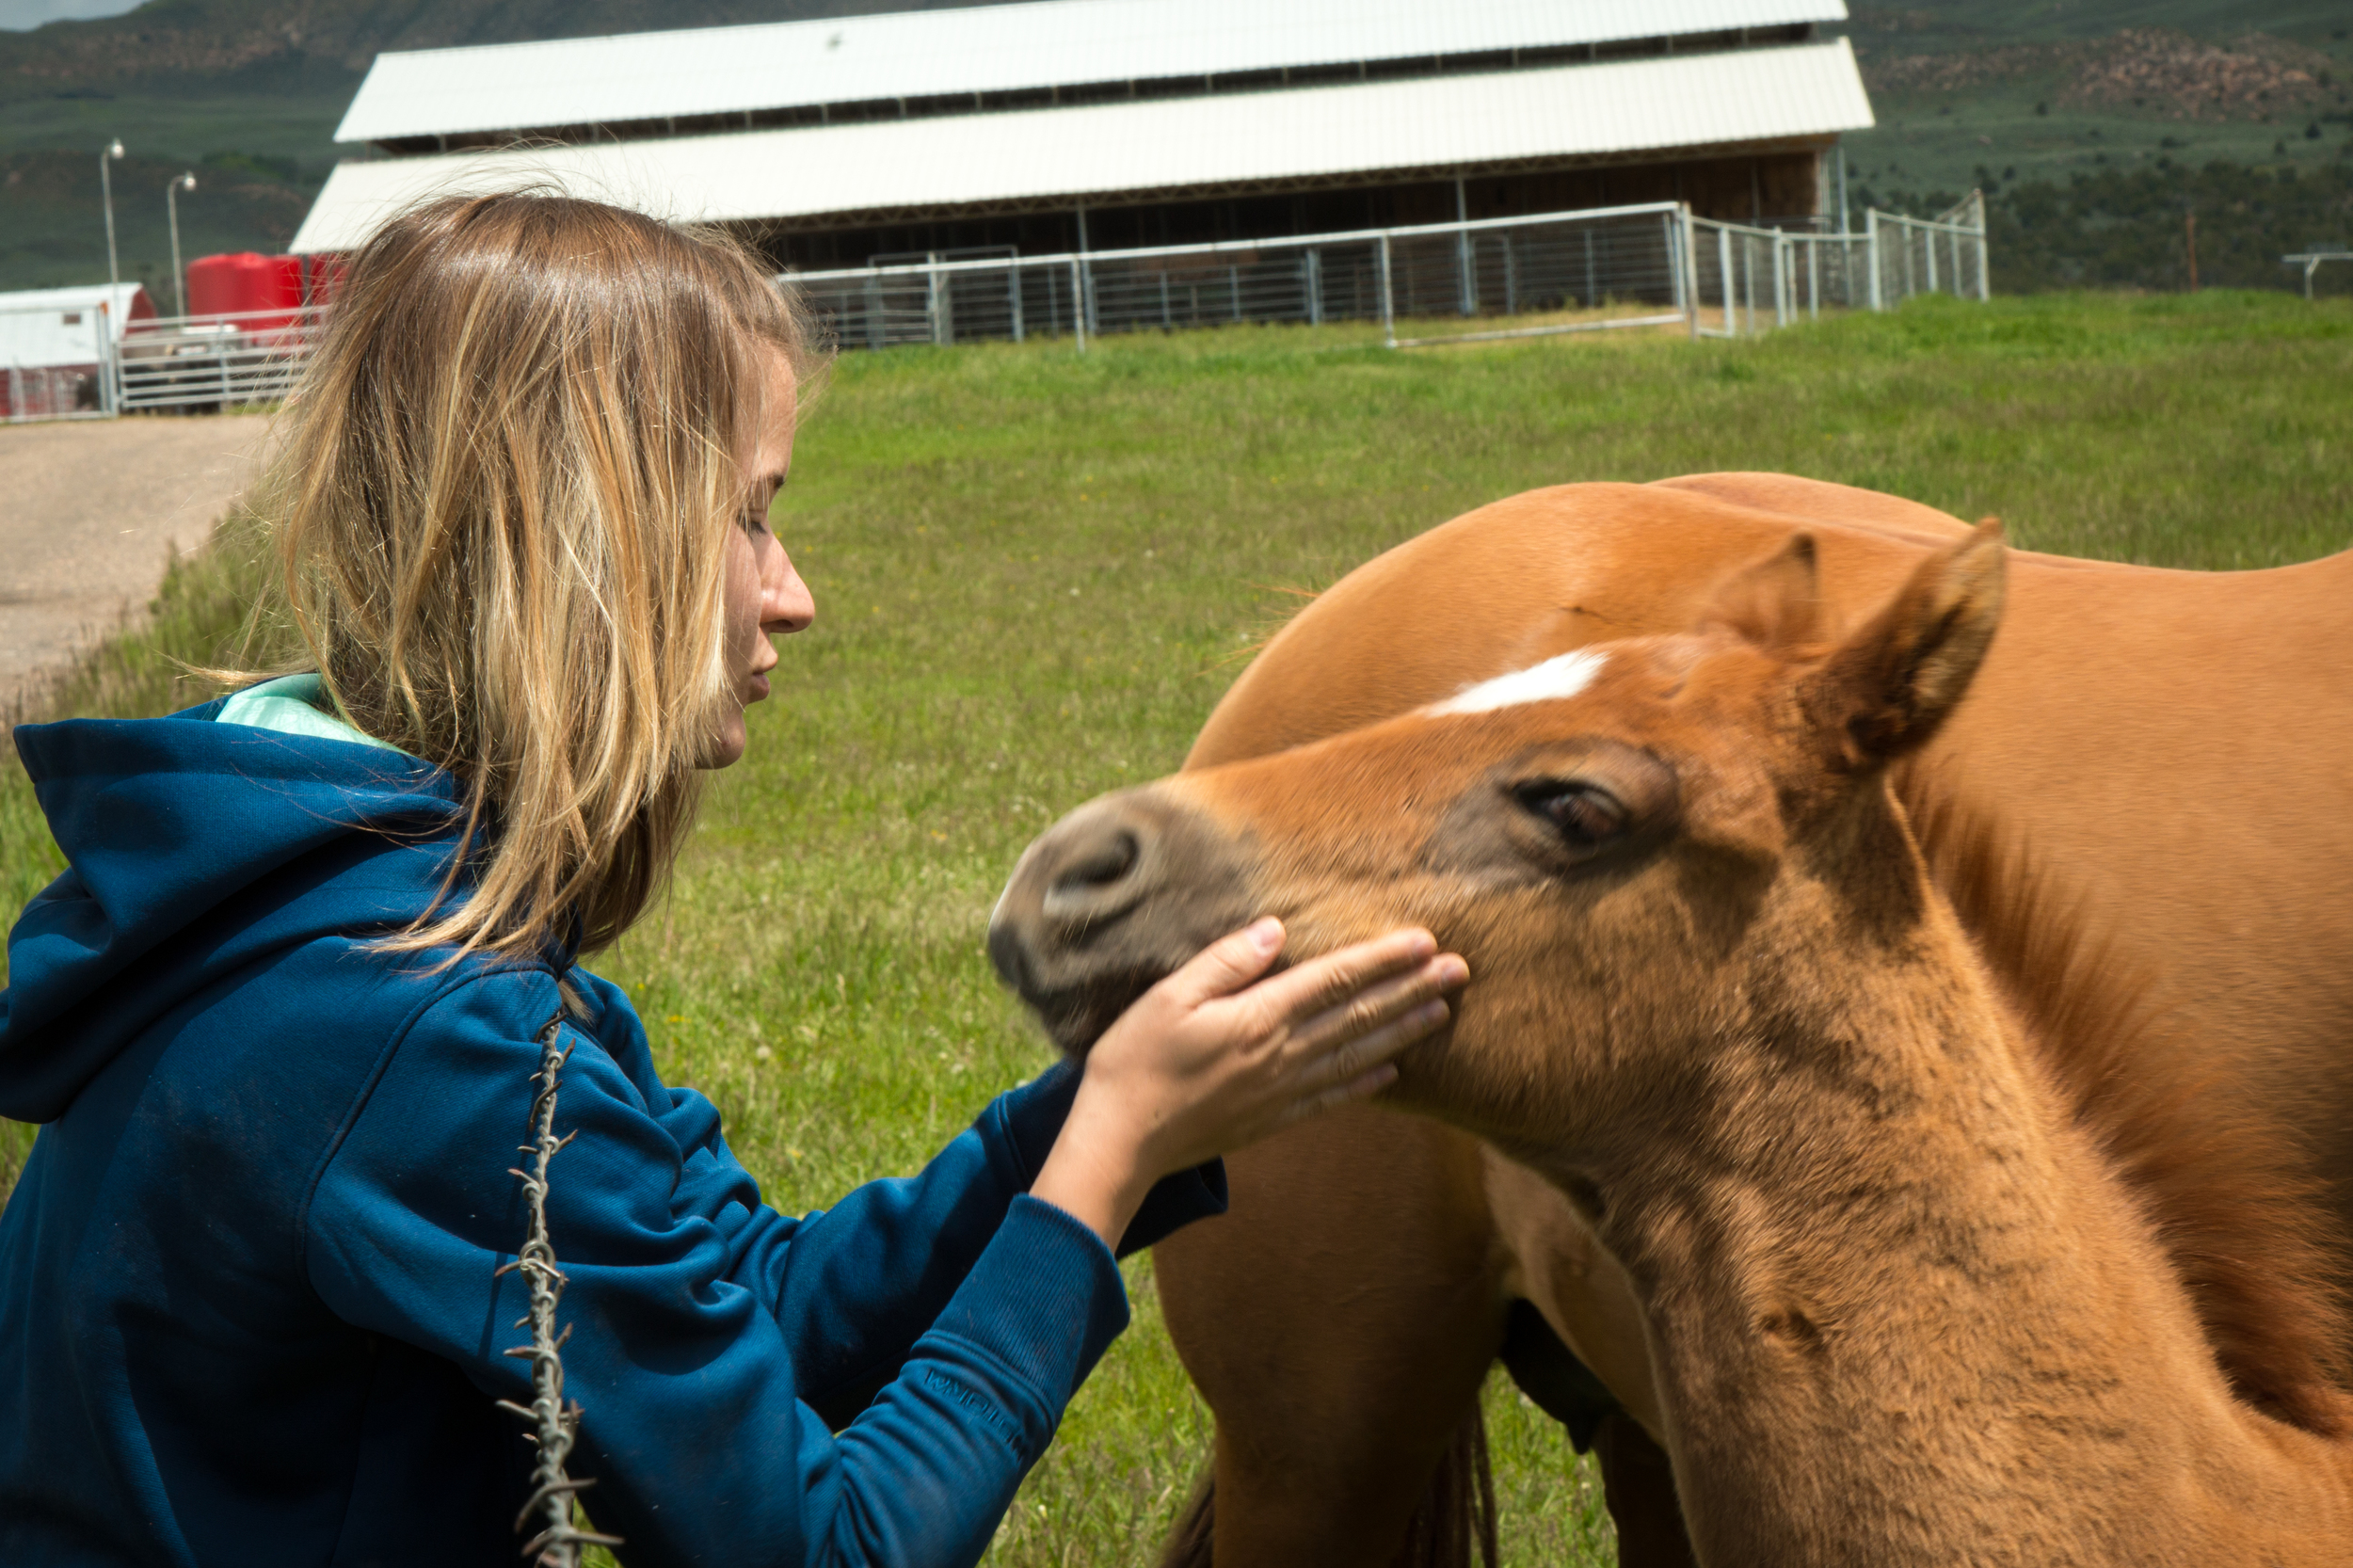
(765, 597)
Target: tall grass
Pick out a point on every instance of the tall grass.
(1035, 572)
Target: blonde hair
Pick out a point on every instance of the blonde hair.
(499, 511)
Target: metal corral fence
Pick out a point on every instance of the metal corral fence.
(1602, 270)
(196, 364)
(1606, 268)
(1746, 279)
(214, 363)
(2310, 261)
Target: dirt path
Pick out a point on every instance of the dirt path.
(89, 514)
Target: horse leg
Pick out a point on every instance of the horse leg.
(1639, 1482)
(1340, 1320)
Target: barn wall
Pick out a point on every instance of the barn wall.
(1767, 187)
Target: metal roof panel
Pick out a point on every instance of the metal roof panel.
(1041, 44)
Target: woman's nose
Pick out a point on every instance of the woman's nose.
(786, 605)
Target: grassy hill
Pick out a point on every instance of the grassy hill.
(2097, 128)
(1998, 94)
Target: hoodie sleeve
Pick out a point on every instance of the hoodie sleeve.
(869, 1275)
(702, 1321)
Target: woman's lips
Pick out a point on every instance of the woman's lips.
(756, 689)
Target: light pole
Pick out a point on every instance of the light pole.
(106, 192)
(172, 205)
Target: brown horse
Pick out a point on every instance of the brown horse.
(2171, 748)
(1904, 1276)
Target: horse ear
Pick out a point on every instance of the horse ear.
(1775, 603)
(1886, 689)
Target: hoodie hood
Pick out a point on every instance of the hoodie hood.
(196, 849)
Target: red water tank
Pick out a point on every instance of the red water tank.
(236, 285)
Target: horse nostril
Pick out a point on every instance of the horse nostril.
(1099, 875)
(1101, 866)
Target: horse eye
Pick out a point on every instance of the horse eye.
(1584, 816)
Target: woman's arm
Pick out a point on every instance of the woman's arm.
(695, 1430)
(856, 1286)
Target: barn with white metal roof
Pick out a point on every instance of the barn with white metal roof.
(1091, 124)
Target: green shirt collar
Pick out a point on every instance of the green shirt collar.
(294, 704)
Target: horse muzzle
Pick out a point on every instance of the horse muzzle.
(1110, 900)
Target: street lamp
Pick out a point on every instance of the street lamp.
(172, 205)
(106, 190)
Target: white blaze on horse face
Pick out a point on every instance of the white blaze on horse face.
(1563, 675)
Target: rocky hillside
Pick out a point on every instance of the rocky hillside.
(1969, 92)
(2161, 71)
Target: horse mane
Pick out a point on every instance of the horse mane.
(2235, 1207)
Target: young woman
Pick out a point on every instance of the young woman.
(283, 1014)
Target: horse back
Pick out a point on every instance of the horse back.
(1538, 574)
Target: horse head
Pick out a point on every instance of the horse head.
(1638, 846)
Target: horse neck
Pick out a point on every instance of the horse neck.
(1899, 1301)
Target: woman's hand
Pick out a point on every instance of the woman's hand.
(1208, 1061)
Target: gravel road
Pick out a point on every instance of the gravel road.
(90, 512)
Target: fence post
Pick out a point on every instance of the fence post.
(1463, 250)
(1985, 258)
(1930, 249)
(1671, 237)
(1078, 303)
(1013, 295)
(109, 361)
(1748, 266)
(943, 330)
(1689, 277)
(1312, 267)
(1871, 254)
(1388, 296)
(1723, 265)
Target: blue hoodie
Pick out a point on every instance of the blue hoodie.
(249, 1308)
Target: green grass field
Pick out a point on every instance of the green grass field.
(1035, 573)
